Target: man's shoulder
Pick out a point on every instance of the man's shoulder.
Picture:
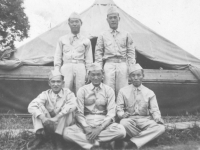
(107, 87)
(105, 32)
(146, 89)
(67, 90)
(85, 87)
(64, 36)
(126, 88)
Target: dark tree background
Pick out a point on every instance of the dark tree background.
(14, 24)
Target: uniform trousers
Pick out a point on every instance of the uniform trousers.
(116, 75)
(74, 74)
(142, 129)
(76, 134)
(66, 120)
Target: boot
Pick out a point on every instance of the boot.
(35, 143)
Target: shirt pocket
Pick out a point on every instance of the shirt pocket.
(123, 43)
(66, 48)
(108, 43)
(89, 101)
(143, 108)
(80, 48)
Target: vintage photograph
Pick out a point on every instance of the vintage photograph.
(99, 75)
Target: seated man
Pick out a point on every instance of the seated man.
(52, 111)
(138, 110)
(95, 115)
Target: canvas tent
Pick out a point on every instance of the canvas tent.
(153, 52)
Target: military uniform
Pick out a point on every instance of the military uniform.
(72, 57)
(64, 103)
(141, 104)
(95, 106)
(117, 50)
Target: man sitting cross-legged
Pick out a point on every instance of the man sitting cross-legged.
(138, 110)
(52, 111)
(95, 115)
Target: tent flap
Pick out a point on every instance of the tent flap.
(147, 42)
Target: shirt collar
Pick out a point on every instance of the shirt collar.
(60, 94)
(72, 35)
(139, 88)
(92, 87)
(117, 30)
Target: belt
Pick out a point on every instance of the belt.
(74, 61)
(116, 60)
(87, 113)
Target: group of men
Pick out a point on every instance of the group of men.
(107, 109)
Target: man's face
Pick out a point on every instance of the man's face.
(96, 77)
(56, 84)
(137, 77)
(75, 25)
(113, 20)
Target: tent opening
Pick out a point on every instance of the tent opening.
(93, 43)
(143, 61)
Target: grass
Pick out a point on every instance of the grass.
(188, 139)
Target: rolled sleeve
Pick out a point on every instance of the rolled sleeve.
(120, 104)
(70, 104)
(80, 111)
(99, 50)
(58, 55)
(154, 109)
(130, 50)
(34, 106)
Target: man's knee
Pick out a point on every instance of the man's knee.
(125, 122)
(66, 133)
(122, 131)
(161, 128)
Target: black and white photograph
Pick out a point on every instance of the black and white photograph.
(99, 74)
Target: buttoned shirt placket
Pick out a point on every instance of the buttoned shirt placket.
(96, 89)
(72, 40)
(114, 33)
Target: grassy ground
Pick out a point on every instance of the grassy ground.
(188, 139)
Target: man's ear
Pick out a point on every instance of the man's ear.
(49, 83)
(119, 18)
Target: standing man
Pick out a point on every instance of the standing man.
(115, 47)
(52, 111)
(96, 112)
(73, 55)
(138, 110)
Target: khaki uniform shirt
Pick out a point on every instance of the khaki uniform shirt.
(115, 44)
(64, 102)
(95, 105)
(137, 101)
(70, 47)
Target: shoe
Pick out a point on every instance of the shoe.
(59, 142)
(129, 145)
(35, 143)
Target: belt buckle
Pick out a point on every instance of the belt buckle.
(74, 61)
(120, 60)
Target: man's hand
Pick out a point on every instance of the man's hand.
(95, 132)
(159, 120)
(126, 115)
(52, 113)
(43, 118)
(87, 130)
